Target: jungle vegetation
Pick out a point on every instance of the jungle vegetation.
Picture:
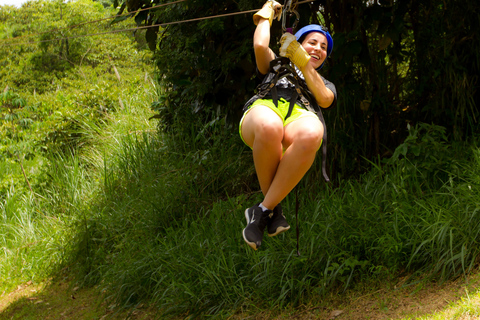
(121, 165)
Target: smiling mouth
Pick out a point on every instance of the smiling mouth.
(315, 57)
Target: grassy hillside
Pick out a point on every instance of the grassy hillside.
(57, 100)
(63, 83)
(153, 213)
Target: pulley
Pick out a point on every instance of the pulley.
(290, 9)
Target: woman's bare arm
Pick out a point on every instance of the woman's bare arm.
(261, 46)
(323, 95)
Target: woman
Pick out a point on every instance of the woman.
(284, 143)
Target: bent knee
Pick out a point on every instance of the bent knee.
(309, 139)
(269, 130)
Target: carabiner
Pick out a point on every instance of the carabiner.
(288, 7)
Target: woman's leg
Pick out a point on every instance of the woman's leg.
(262, 129)
(302, 138)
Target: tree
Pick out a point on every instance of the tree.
(394, 63)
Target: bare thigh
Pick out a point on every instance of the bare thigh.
(258, 120)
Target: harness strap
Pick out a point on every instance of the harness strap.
(274, 96)
(293, 100)
(297, 205)
(324, 148)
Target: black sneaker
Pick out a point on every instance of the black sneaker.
(256, 222)
(277, 223)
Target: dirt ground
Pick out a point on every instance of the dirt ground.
(55, 301)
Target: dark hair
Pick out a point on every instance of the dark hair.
(302, 38)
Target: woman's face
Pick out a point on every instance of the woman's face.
(315, 44)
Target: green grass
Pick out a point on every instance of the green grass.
(29, 240)
(152, 212)
(36, 227)
(166, 227)
(155, 216)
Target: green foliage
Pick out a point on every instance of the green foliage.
(92, 69)
(205, 67)
(399, 62)
(58, 44)
(11, 105)
(156, 235)
(156, 216)
(55, 103)
(28, 239)
(394, 63)
(426, 150)
(16, 147)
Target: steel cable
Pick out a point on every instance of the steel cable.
(136, 28)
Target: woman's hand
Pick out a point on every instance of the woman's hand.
(293, 50)
(271, 10)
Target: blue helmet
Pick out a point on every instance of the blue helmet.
(316, 28)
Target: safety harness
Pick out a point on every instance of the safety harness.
(281, 68)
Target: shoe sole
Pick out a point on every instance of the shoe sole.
(278, 231)
(251, 244)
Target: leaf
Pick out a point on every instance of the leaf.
(335, 313)
(416, 150)
(182, 82)
(400, 150)
(140, 17)
(151, 38)
(156, 116)
(384, 43)
(119, 19)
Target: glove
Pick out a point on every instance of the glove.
(270, 10)
(293, 50)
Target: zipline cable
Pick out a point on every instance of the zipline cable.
(141, 28)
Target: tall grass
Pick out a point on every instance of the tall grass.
(36, 227)
(29, 239)
(166, 227)
(155, 215)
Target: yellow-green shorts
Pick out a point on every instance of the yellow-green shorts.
(282, 110)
